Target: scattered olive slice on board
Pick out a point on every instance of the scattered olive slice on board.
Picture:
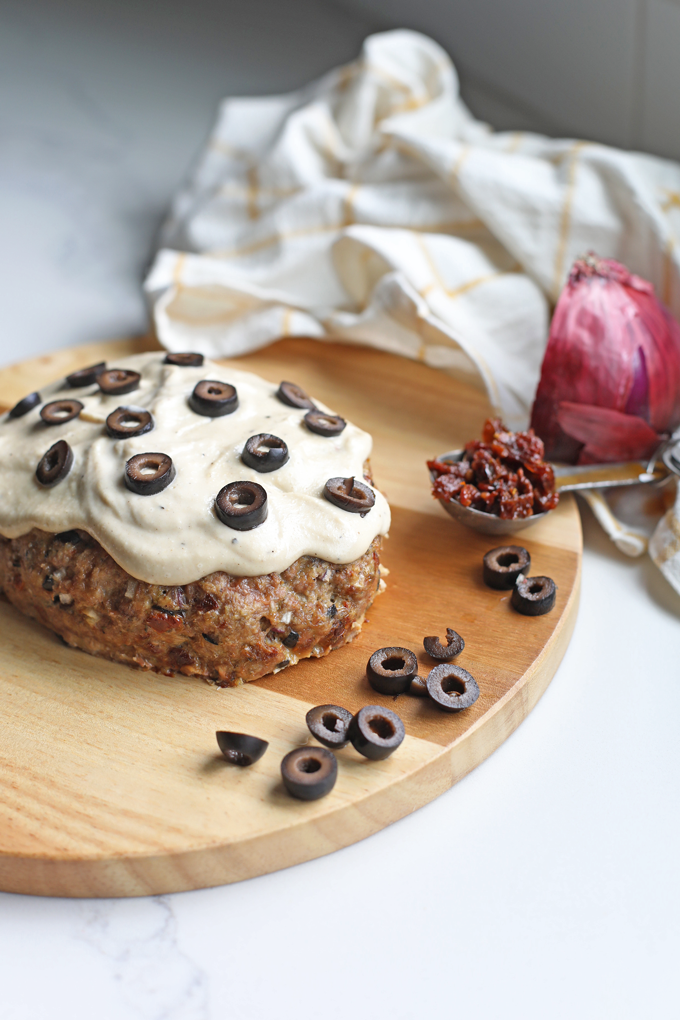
(376, 732)
(324, 424)
(502, 566)
(241, 748)
(149, 473)
(452, 687)
(55, 464)
(418, 687)
(25, 405)
(534, 596)
(128, 421)
(213, 399)
(58, 412)
(349, 494)
(242, 505)
(85, 376)
(264, 452)
(391, 670)
(453, 647)
(309, 772)
(184, 360)
(116, 381)
(294, 396)
(329, 724)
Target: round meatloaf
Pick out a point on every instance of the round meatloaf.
(222, 628)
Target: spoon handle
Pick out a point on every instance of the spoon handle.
(571, 478)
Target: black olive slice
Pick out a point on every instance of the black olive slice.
(60, 411)
(391, 670)
(85, 376)
(502, 566)
(452, 688)
(25, 405)
(453, 647)
(309, 772)
(116, 381)
(212, 399)
(329, 724)
(242, 505)
(128, 421)
(55, 464)
(294, 396)
(534, 596)
(149, 473)
(324, 424)
(418, 687)
(376, 732)
(349, 494)
(184, 360)
(241, 748)
(264, 452)
(291, 639)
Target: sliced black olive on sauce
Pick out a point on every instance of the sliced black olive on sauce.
(452, 688)
(55, 464)
(213, 399)
(349, 494)
(309, 773)
(534, 596)
(265, 452)
(25, 405)
(125, 422)
(149, 473)
(242, 505)
(58, 412)
(502, 566)
(85, 376)
(330, 725)
(324, 424)
(241, 748)
(391, 670)
(116, 381)
(184, 360)
(376, 732)
(453, 647)
(294, 396)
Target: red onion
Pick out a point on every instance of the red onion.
(610, 380)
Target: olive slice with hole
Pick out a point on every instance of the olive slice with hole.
(376, 732)
(213, 398)
(58, 412)
(25, 405)
(294, 396)
(533, 596)
(241, 748)
(324, 424)
(149, 473)
(242, 505)
(329, 724)
(116, 381)
(453, 647)
(391, 670)
(265, 452)
(452, 687)
(186, 359)
(349, 494)
(502, 566)
(418, 687)
(55, 464)
(309, 772)
(85, 376)
(125, 422)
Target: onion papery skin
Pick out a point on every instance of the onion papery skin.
(615, 347)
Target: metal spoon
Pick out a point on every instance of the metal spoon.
(569, 478)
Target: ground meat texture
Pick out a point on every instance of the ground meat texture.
(222, 628)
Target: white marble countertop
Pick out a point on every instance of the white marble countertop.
(546, 884)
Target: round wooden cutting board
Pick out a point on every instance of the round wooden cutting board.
(111, 783)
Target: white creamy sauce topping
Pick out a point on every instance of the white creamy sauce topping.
(175, 536)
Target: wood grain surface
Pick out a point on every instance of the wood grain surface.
(111, 783)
